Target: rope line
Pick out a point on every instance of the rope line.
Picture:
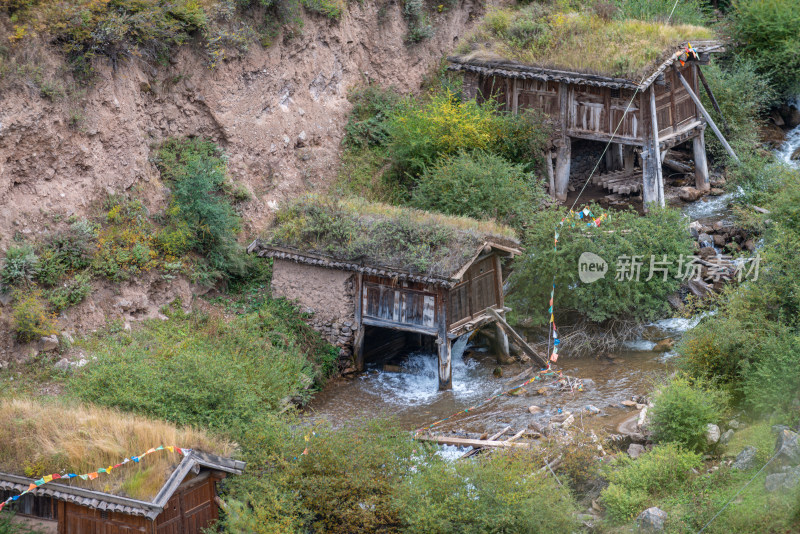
(738, 493)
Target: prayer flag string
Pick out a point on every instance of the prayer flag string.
(94, 474)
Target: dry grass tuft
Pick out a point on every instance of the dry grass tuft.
(583, 42)
(41, 438)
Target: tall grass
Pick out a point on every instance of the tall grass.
(39, 438)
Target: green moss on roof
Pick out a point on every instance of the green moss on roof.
(537, 36)
(382, 235)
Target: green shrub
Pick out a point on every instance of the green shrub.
(419, 25)
(70, 293)
(743, 95)
(482, 186)
(196, 171)
(688, 12)
(368, 122)
(683, 410)
(67, 251)
(423, 131)
(767, 32)
(125, 246)
(622, 235)
(198, 370)
(32, 320)
(506, 492)
(20, 265)
(634, 483)
(331, 9)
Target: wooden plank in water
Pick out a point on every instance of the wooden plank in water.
(466, 442)
(493, 437)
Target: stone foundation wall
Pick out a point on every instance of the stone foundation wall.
(328, 294)
(585, 154)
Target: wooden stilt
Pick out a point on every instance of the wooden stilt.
(504, 353)
(445, 365)
(616, 156)
(358, 349)
(548, 161)
(656, 154)
(708, 118)
(563, 157)
(649, 179)
(700, 163)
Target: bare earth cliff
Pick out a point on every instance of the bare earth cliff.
(278, 112)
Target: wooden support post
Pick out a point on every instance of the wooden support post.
(564, 152)
(628, 158)
(358, 349)
(504, 353)
(515, 96)
(712, 98)
(519, 339)
(358, 341)
(700, 163)
(649, 178)
(548, 160)
(656, 154)
(563, 160)
(443, 343)
(708, 118)
(616, 156)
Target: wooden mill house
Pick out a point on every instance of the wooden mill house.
(373, 302)
(641, 117)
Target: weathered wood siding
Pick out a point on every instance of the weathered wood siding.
(406, 304)
(480, 289)
(190, 509)
(596, 112)
(79, 519)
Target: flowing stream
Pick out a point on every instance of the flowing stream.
(409, 392)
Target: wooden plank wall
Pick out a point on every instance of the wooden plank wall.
(674, 106)
(407, 304)
(481, 288)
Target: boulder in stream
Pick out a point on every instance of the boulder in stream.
(690, 194)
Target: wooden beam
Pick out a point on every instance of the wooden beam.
(713, 99)
(519, 339)
(515, 97)
(550, 174)
(466, 442)
(493, 437)
(708, 118)
(656, 160)
(383, 323)
(701, 179)
(443, 342)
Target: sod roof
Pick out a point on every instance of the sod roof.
(401, 239)
(580, 42)
(43, 438)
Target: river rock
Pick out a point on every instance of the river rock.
(796, 154)
(48, 343)
(560, 418)
(664, 345)
(635, 450)
(689, 194)
(705, 240)
(712, 434)
(695, 228)
(651, 520)
(750, 245)
(628, 403)
(707, 252)
(716, 192)
(745, 459)
(790, 114)
(788, 479)
(719, 240)
(588, 384)
(726, 436)
(534, 409)
(568, 421)
(787, 448)
(498, 372)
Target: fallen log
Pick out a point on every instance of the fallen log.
(466, 442)
(493, 437)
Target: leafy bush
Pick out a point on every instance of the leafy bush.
(31, 318)
(303, 479)
(424, 131)
(66, 251)
(368, 121)
(419, 25)
(20, 265)
(768, 33)
(198, 370)
(633, 483)
(72, 292)
(196, 170)
(125, 246)
(683, 410)
(506, 492)
(482, 186)
(743, 95)
(688, 12)
(331, 9)
(623, 235)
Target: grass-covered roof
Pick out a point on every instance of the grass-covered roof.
(43, 438)
(381, 235)
(537, 35)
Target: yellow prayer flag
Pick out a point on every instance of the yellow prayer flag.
(47, 479)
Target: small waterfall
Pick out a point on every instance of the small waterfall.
(791, 144)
